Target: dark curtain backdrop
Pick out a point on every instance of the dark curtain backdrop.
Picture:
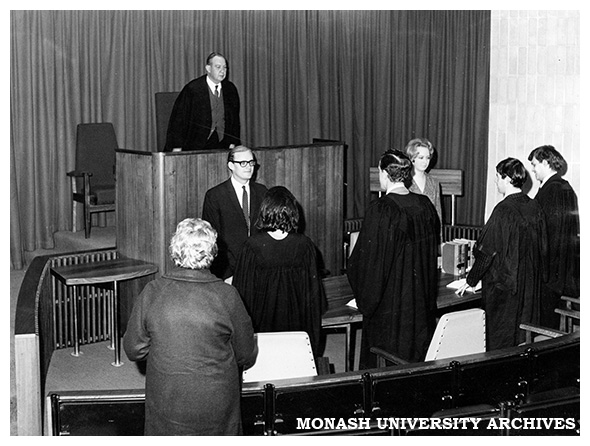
(373, 79)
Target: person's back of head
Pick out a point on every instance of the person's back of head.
(397, 165)
(193, 245)
(278, 211)
(514, 169)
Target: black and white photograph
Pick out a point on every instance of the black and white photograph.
(331, 222)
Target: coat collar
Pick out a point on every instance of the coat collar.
(191, 275)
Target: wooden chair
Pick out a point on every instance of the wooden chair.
(542, 333)
(282, 355)
(570, 316)
(93, 181)
(164, 104)
(458, 333)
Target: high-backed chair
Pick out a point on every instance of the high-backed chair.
(457, 334)
(93, 181)
(282, 355)
(164, 104)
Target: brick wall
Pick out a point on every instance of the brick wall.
(534, 90)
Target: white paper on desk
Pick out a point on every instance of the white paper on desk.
(456, 284)
(352, 303)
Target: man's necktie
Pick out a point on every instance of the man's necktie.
(217, 91)
(245, 207)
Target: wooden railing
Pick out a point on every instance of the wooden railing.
(540, 380)
(44, 323)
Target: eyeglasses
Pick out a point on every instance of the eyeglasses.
(251, 163)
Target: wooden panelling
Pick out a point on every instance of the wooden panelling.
(28, 384)
(451, 180)
(157, 190)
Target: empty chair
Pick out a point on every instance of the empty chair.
(282, 355)
(541, 333)
(93, 181)
(569, 317)
(458, 333)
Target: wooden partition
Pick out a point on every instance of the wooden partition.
(156, 190)
(541, 379)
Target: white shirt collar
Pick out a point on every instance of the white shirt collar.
(238, 188)
(212, 85)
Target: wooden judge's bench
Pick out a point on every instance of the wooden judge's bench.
(156, 190)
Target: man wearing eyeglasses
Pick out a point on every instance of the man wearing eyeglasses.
(232, 209)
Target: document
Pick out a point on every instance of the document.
(457, 284)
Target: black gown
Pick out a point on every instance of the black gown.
(510, 262)
(280, 284)
(560, 206)
(393, 274)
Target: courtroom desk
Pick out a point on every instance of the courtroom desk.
(342, 316)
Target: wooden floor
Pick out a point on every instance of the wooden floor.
(93, 370)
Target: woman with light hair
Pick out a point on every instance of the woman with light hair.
(196, 336)
(420, 151)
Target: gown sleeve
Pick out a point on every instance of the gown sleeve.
(371, 259)
(245, 276)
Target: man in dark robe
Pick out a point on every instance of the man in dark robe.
(393, 267)
(206, 114)
(509, 259)
(560, 206)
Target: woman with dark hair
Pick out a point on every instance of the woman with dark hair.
(196, 335)
(393, 267)
(277, 272)
(510, 259)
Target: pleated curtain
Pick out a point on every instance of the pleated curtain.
(373, 79)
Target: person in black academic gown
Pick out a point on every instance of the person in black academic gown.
(560, 206)
(277, 273)
(510, 259)
(393, 267)
(206, 113)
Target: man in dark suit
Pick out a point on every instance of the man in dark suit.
(232, 208)
(206, 114)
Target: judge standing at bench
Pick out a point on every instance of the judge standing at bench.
(232, 208)
(393, 267)
(206, 114)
